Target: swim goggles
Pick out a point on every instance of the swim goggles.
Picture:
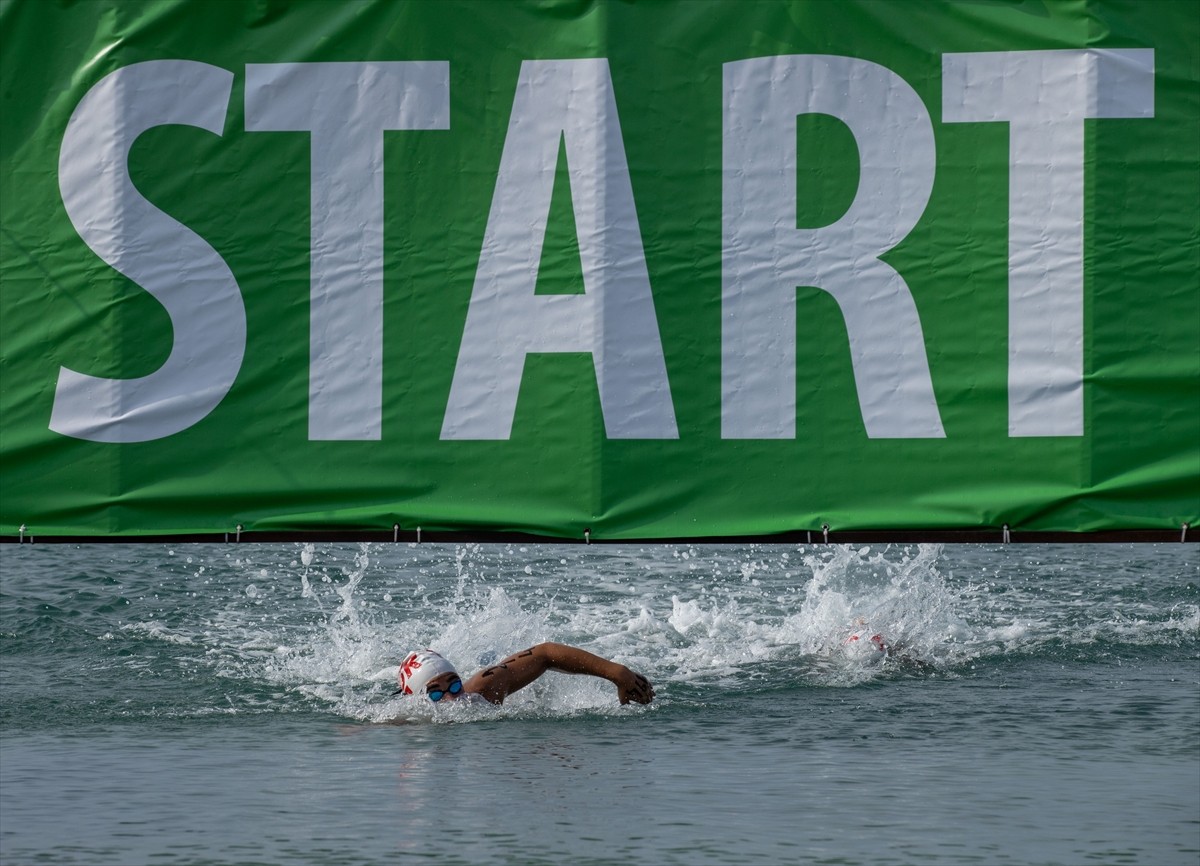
(436, 695)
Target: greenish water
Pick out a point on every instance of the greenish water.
(232, 704)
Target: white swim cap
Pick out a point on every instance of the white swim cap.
(863, 646)
(419, 668)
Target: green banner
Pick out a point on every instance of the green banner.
(636, 269)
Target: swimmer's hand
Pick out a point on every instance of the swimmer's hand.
(633, 687)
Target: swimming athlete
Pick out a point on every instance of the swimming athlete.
(865, 646)
(428, 672)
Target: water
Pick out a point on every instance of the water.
(225, 704)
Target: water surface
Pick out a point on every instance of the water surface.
(229, 704)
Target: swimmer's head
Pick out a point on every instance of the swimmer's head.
(875, 642)
(420, 668)
(865, 647)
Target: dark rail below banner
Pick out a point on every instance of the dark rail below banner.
(820, 536)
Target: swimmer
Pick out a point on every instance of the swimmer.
(872, 648)
(428, 672)
(862, 642)
(858, 645)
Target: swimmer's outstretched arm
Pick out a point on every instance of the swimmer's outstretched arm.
(520, 669)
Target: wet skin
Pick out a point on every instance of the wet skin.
(518, 670)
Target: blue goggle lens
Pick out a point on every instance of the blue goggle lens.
(436, 695)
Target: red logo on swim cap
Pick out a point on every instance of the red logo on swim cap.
(411, 664)
(876, 639)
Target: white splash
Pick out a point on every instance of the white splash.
(332, 626)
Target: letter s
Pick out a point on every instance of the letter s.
(167, 259)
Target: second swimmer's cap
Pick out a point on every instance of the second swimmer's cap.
(419, 668)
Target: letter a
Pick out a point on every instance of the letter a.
(614, 321)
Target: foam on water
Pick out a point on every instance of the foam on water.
(334, 632)
(321, 628)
